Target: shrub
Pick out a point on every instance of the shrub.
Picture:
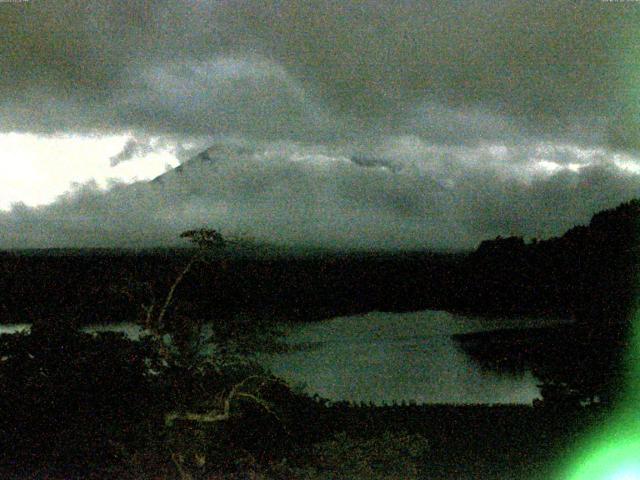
(70, 399)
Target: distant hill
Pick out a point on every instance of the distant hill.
(589, 272)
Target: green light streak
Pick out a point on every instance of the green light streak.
(614, 455)
(613, 452)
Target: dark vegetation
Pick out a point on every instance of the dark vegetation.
(588, 275)
(96, 287)
(79, 406)
(75, 405)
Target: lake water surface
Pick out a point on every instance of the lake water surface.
(388, 357)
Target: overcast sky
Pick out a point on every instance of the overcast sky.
(368, 124)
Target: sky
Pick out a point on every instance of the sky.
(404, 124)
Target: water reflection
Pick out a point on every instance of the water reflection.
(385, 358)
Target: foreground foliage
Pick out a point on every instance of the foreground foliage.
(75, 405)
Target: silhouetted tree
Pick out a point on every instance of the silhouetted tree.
(205, 385)
(588, 274)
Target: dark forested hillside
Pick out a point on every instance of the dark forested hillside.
(108, 287)
(588, 273)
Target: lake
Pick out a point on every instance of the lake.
(388, 357)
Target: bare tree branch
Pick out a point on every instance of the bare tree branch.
(221, 416)
(172, 290)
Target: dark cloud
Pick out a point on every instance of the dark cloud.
(547, 206)
(132, 148)
(323, 71)
(299, 195)
(346, 123)
(374, 162)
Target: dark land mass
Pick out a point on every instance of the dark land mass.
(106, 286)
(91, 410)
(78, 406)
(588, 274)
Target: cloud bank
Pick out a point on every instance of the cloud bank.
(323, 71)
(351, 124)
(300, 195)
